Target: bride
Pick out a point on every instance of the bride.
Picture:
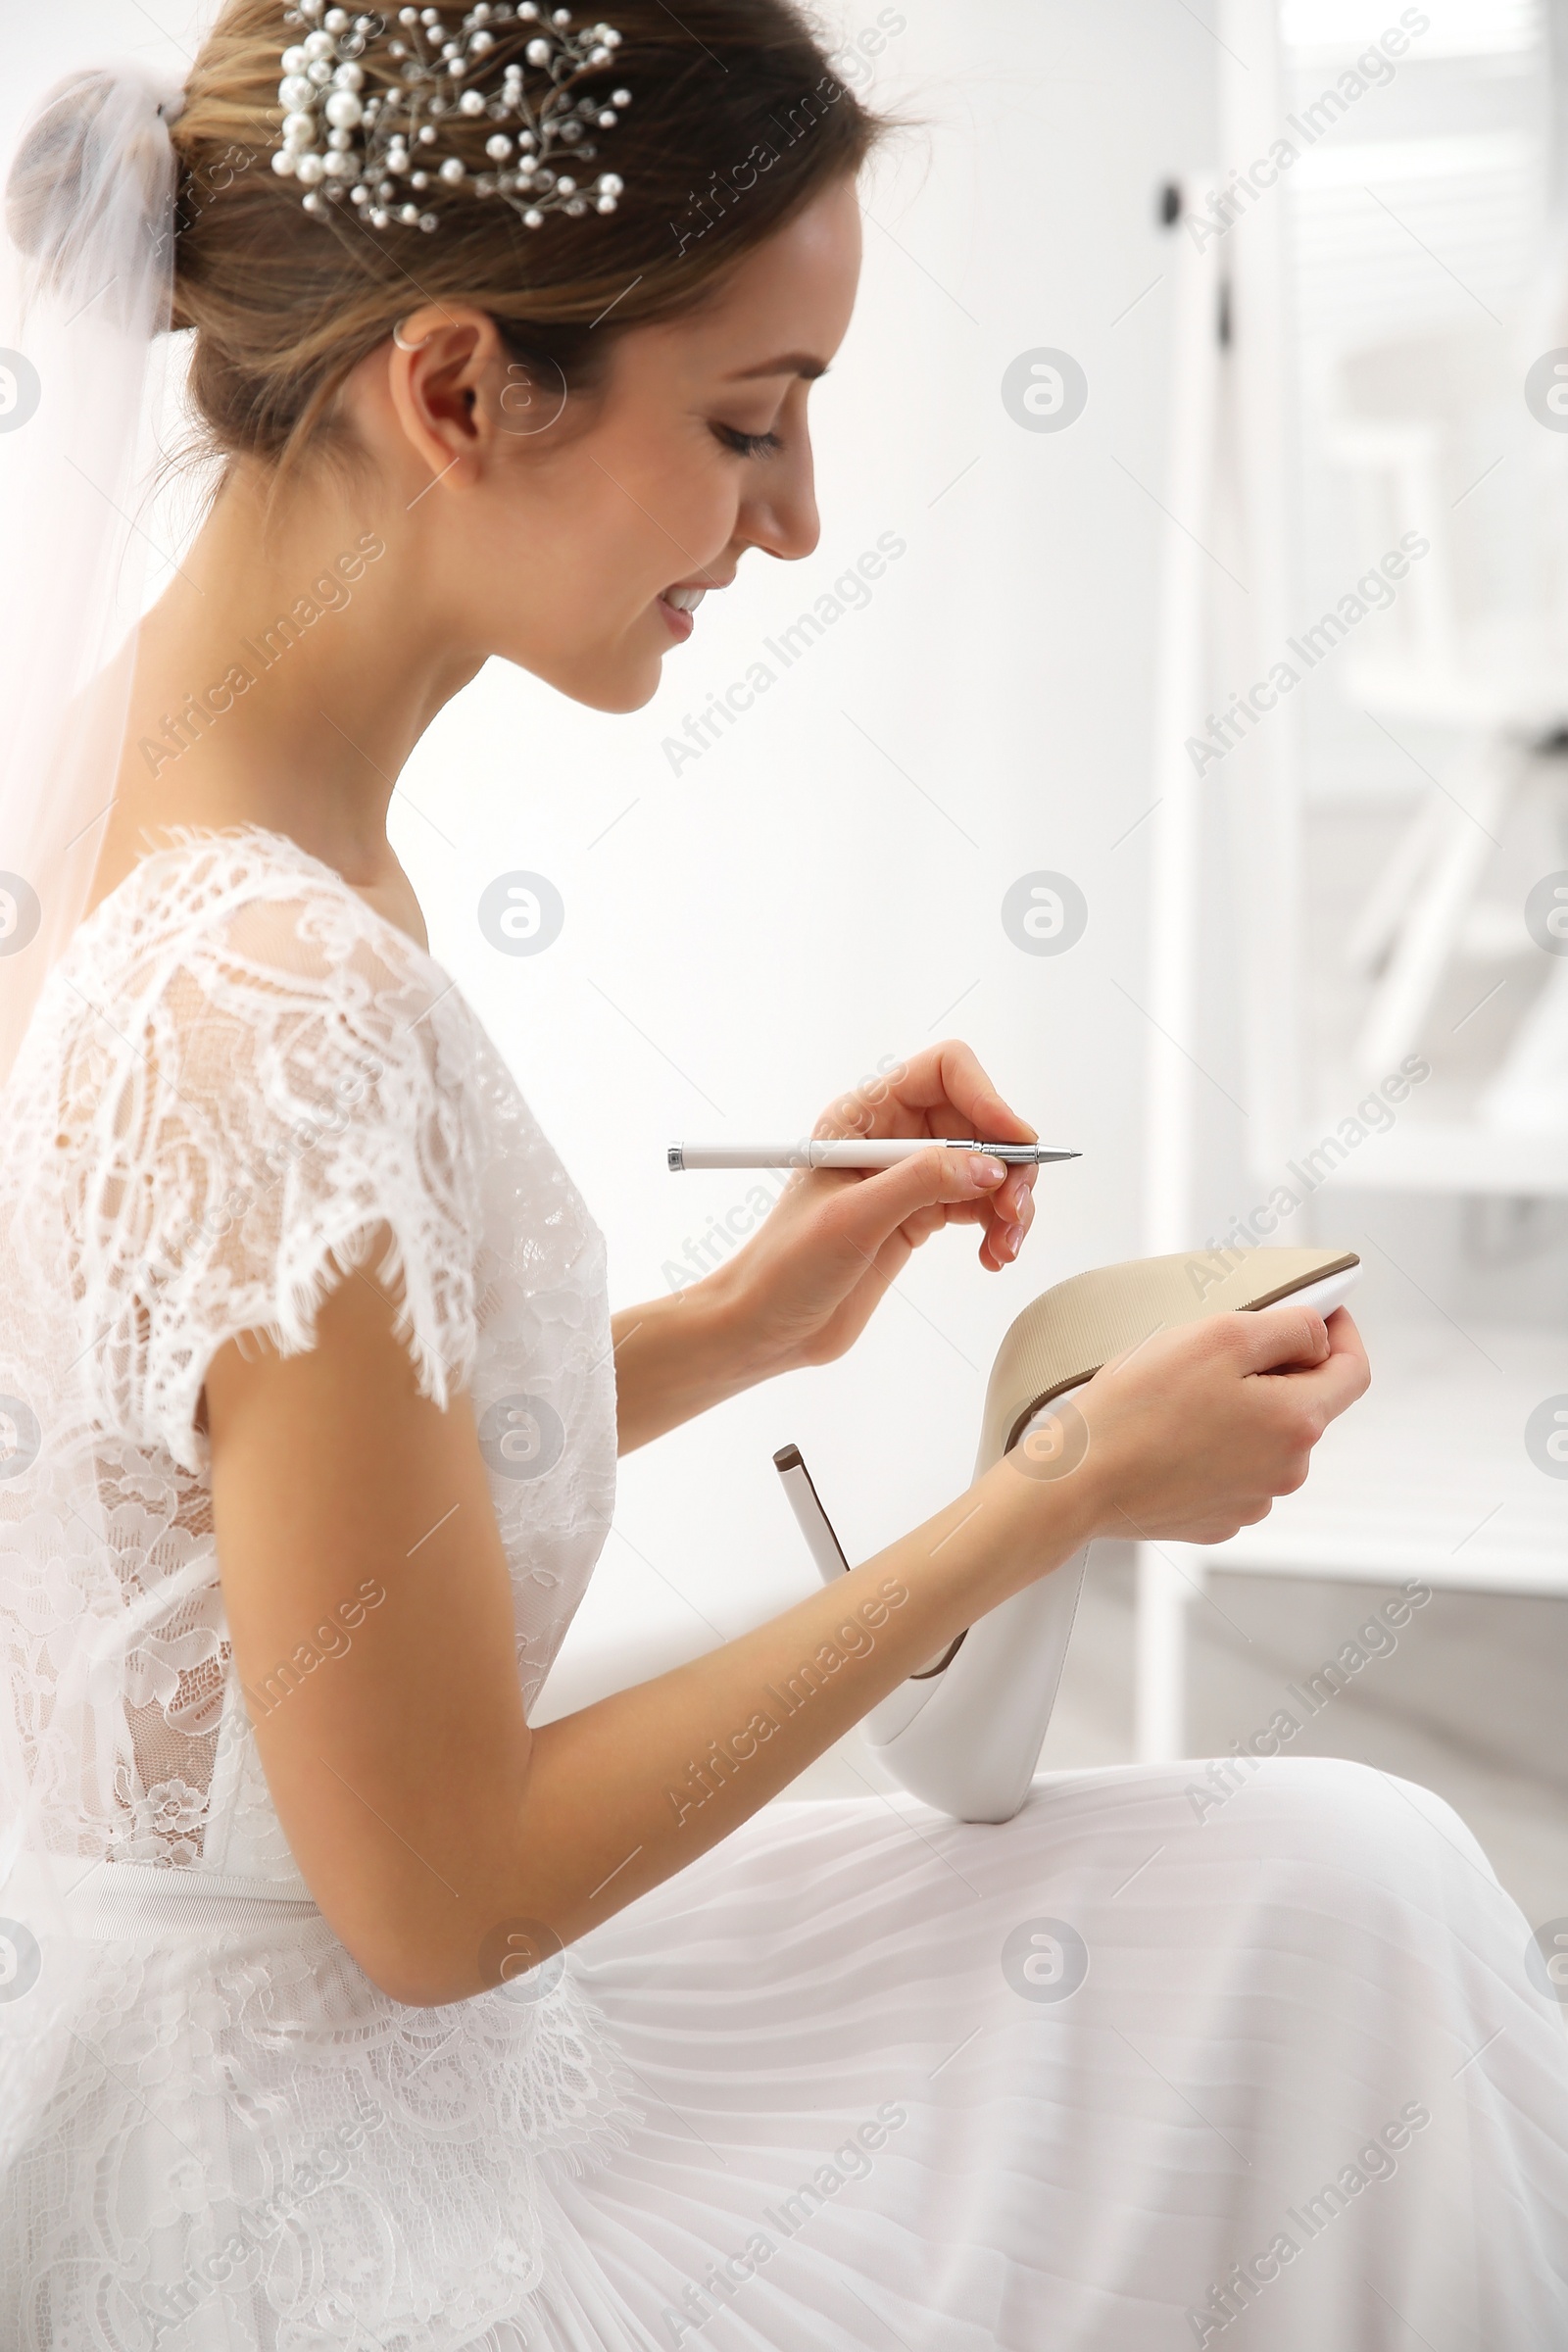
(340, 2008)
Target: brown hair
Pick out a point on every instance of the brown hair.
(737, 121)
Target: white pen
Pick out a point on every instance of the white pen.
(850, 1152)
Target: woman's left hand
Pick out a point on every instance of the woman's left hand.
(804, 1287)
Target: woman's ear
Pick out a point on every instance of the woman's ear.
(440, 360)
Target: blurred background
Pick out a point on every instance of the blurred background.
(1198, 343)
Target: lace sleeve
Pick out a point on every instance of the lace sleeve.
(293, 1086)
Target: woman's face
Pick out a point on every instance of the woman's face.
(580, 547)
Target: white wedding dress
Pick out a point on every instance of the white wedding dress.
(1111, 2078)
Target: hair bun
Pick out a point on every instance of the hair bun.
(92, 178)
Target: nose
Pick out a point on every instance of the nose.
(780, 515)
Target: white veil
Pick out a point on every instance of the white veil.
(86, 269)
(86, 273)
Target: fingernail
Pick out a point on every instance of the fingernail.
(988, 1171)
(1015, 1241)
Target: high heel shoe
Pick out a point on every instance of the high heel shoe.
(964, 1732)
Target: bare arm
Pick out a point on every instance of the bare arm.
(677, 1356)
(428, 1820)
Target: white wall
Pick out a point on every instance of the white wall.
(822, 888)
(791, 907)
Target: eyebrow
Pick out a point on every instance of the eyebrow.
(791, 363)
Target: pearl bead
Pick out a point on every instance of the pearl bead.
(328, 124)
(312, 203)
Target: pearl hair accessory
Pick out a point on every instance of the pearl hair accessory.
(340, 141)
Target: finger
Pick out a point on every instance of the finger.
(1345, 1338)
(865, 1213)
(1273, 1337)
(968, 1090)
(945, 1086)
(1345, 1375)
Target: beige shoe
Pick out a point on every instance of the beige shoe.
(1071, 1330)
(965, 1733)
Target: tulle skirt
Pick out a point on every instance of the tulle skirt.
(1154, 2064)
(1167, 2060)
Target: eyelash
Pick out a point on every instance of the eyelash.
(747, 444)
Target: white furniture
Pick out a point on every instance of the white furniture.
(1428, 1478)
(1485, 660)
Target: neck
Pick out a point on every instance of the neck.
(283, 679)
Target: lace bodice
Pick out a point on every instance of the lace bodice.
(240, 1083)
(238, 1077)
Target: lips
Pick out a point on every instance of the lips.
(678, 604)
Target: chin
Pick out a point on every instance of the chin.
(616, 682)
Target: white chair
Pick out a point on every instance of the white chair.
(1475, 644)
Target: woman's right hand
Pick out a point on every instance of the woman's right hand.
(1194, 1433)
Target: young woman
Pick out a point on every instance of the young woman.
(342, 2008)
